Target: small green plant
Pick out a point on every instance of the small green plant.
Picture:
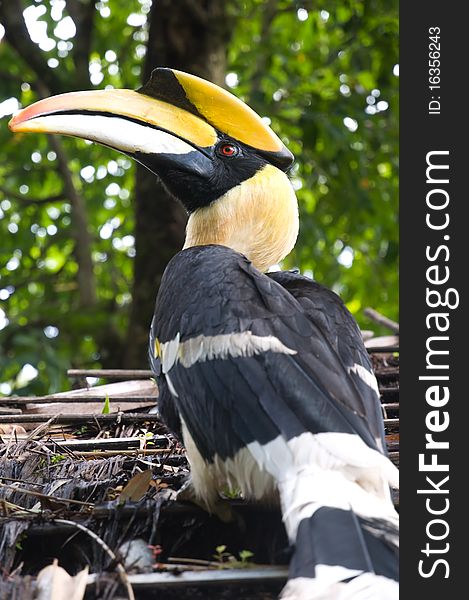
(20, 539)
(107, 406)
(221, 556)
(231, 493)
(57, 458)
(81, 430)
(245, 556)
(226, 560)
(146, 440)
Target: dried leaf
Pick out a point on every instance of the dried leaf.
(11, 429)
(137, 487)
(53, 505)
(54, 583)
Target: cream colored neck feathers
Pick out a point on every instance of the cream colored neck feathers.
(258, 218)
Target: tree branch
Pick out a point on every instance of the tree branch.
(27, 200)
(198, 12)
(270, 11)
(82, 250)
(45, 276)
(381, 319)
(47, 83)
(82, 14)
(5, 75)
(17, 35)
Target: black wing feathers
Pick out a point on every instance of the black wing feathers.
(329, 313)
(228, 403)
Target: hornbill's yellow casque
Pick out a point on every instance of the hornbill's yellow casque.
(264, 376)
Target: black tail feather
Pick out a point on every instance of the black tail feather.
(334, 547)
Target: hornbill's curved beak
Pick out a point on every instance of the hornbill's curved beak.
(173, 122)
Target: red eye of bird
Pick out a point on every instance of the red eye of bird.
(227, 150)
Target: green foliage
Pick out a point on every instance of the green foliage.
(327, 84)
(245, 556)
(322, 72)
(227, 561)
(220, 554)
(231, 494)
(106, 406)
(57, 458)
(48, 328)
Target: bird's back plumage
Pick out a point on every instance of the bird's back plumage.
(327, 310)
(268, 400)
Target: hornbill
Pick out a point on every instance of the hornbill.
(264, 375)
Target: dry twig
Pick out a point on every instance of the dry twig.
(377, 317)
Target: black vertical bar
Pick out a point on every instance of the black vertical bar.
(434, 319)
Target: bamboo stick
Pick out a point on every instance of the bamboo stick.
(111, 373)
(78, 399)
(63, 419)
